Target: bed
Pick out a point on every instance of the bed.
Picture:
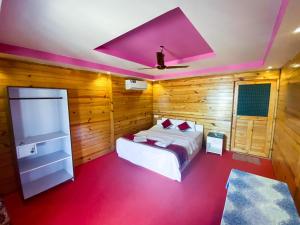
(160, 159)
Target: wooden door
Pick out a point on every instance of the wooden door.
(252, 125)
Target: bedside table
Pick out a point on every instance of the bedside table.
(215, 142)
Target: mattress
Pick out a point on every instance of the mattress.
(157, 159)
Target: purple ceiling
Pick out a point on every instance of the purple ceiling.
(182, 41)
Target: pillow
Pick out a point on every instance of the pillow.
(199, 128)
(166, 124)
(183, 126)
(158, 122)
(192, 126)
(173, 124)
(190, 123)
(176, 122)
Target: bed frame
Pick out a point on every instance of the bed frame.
(152, 158)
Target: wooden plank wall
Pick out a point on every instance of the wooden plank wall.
(101, 110)
(132, 109)
(90, 106)
(208, 100)
(286, 154)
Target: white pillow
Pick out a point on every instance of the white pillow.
(199, 128)
(158, 122)
(178, 122)
(175, 123)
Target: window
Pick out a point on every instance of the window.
(253, 100)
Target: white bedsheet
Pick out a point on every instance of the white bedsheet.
(157, 159)
(189, 139)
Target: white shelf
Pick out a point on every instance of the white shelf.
(41, 138)
(42, 126)
(28, 165)
(37, 186)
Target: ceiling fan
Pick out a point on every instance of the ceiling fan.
(160, 58)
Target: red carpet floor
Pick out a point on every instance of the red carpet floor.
(110, 190)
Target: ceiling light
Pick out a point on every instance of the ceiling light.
(270, 67)
(295, 65)
(297, 30)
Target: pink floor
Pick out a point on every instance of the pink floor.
(110, 190)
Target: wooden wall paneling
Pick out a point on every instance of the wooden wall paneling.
(132, 109)
(283, 171)
(208, 100)
(111, 114)
(286, 142)
(89, 107)
(101, 110)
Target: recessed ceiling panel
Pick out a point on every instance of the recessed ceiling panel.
(212, 37)
(173, 30)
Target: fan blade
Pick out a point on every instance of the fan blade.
(147, 68)
(176, 67)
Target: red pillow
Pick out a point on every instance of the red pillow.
(166, 124)
(184, 126)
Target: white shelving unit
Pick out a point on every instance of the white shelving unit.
(41, 138)
(28, 165)
(40, 121)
